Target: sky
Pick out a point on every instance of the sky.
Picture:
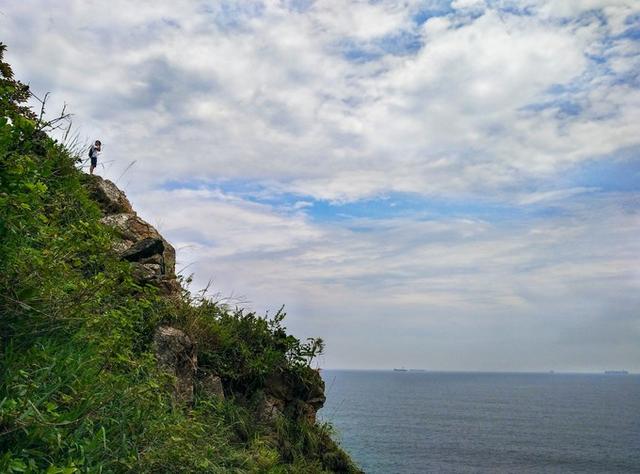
(445, 185)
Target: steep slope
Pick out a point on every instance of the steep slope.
(107, 363)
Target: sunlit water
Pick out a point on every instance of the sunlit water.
(414, 422)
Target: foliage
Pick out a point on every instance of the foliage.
(79, 387)
(13, 94)
(243, 347)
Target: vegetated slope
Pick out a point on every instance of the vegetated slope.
(106, 366)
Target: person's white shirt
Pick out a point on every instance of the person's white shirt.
(93, 151)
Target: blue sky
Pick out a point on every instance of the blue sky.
(432, 184)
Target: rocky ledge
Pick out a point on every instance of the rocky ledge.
(153, 258)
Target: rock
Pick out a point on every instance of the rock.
(139, 241)
(277, 385)
(147, 272)
(296, 393)
(211, 385)
(306, 411)
(314, 393)
(142, 249)
(170, 287)
(271, 409)
(309, 413)
(133, 229)
(177, 355)
(157, 259)
(291, 386)
(110, 199)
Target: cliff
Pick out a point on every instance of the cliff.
(108, 362)
(297, 391)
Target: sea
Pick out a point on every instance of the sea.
(422, 422)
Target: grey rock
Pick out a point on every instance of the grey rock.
(132, 229)
(170, 287)
(298, 394)
(133, 232)
(211, 385)
(145, 248)
(110, 199)
(289, 386)
(147, 272)
(177, 355)
(157, 259)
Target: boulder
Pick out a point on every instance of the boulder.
(110, 199)
(170, 287)
(176, 354)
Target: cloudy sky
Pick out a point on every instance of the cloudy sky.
(424, 183)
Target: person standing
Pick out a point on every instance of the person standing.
(94, 151)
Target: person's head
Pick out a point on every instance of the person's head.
(98, 143)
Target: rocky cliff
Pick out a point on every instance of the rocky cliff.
(152, 258)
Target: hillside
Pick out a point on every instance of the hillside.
(108, 362)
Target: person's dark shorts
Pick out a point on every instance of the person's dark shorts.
(94, 161)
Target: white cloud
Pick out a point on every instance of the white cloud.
(444, 277)
(344, 101)
(262, 92)
(468, 4)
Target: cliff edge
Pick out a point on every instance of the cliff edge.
(298, 394)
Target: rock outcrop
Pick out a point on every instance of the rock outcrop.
(298, 395)
(153, 258)
(108, 196)
(177, 355)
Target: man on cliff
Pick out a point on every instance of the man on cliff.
(94, 151)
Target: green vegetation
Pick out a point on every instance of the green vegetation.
(80, 390)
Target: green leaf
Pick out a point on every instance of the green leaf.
(17, 465)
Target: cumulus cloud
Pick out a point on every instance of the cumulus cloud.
(450, 279)
(480, 105)
(253, 126)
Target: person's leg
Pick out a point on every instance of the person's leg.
(94, 163)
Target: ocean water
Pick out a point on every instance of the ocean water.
(415, 422)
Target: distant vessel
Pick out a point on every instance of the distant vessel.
(616, 372)
(400, 370)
